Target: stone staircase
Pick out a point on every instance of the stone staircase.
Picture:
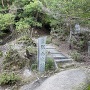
(58, 56)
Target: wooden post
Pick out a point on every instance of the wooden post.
(88, 47)
(31, 32)
(70, 47)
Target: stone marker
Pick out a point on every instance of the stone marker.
(41, 53)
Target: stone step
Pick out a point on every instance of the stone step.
(63, 60)
(52, 50)
(59, 55)
(67, 65)
(56, 53)
(60, 58)
(50, 46)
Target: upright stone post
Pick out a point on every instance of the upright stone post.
(41, 53)
(88, 47)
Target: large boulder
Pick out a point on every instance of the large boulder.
(74, 79)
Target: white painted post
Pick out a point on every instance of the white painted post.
(41, 53)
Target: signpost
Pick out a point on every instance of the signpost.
(41, 53)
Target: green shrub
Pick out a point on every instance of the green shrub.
(48, 41)
(34, 67)
(26, 40)
(8, 78)
(32, 49)
(76, 56)
(88, 87)
(49, 64)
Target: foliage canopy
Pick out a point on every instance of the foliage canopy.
(24, 14)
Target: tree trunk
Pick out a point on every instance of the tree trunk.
(2, 3)
(8, 3)
(11, 28)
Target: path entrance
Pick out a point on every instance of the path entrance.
(58, 56)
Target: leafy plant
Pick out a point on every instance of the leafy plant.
(88, 87)
(49, 40)
(6, 20)
(32, 49)
(34, 67)
(76, 56)
(26, 40)
(8, 78)
(49, 64)
(32, 13)
(22, 26)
